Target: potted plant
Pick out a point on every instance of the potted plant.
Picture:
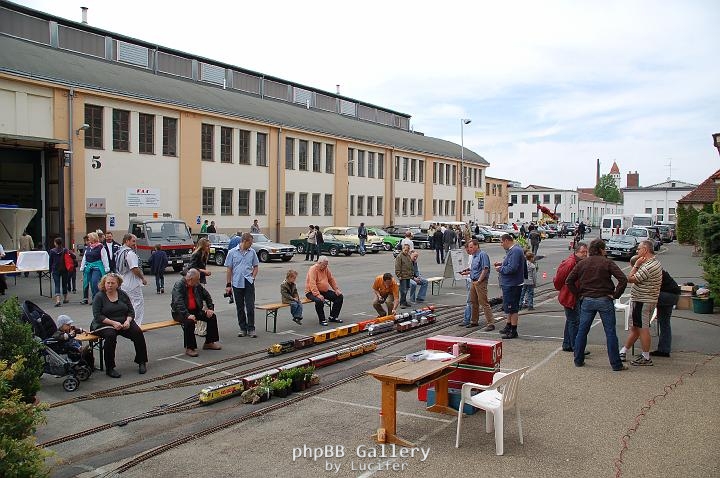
(297, 375)
(280, 387)
(307, 374)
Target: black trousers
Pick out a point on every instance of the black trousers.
(133, 333)
(188, 327)
(337, 302)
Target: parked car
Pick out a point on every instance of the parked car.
(623, 247)
(507, 229)
(268, 250)
(350, 234)
(490, 235)
(218, 246)
(332, 245)
(645, 233)
(547, 232)
(666, 232)
(420, 239)
(389, 242)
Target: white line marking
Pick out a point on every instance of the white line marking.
(170, 357)
(370, 407)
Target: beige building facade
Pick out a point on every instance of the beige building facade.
(496, 201)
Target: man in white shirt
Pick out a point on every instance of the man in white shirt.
(128, 266)
(407, 240)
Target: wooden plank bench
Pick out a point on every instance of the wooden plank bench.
(98, 342)
(435, 281)
(271, 311)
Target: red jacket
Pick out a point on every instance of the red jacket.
(566, 298)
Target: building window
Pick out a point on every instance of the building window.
(361, 163)
(500, 191)
(546, 199)
(510, 215)
(379, 206)
(452, 208)
(169, 136)
(397, 168)
(420, 207)
(454, 175)
(289, 153)
(397, 206)
(303, 155)
(412, 207)
(371, 164)
(524, 199)
(208, 200)
(289, 204)
(370, 205)
(351, 162)
(244, 147)
(404, 207)
(316, 157)
(361, 205)
(206, 142)
(121, 130)
(648, 210)
(513, 198)
(421, 171)
(441, 173)
(261, 158)
(406, 166)
(260, 203)
(226, 140)
(413, 169)
(558, 198)
(302, 204)
(535, 198)
(329, 159)
(226, 200)
(381, 167)
(146, 133)
(435, 173)
(352, 205)
(243, 202)
(94, 119)
(434, 207)
(316, 204)
(522, 215)
(487, 189)
(328, 204)
(494, 189)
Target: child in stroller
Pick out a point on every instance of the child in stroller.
(62, 356)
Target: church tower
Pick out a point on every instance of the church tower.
(615, 174)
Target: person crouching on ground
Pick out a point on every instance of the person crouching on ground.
(289, 293)
(387, 291)
(188, 297)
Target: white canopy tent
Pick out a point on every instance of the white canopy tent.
(13, 221)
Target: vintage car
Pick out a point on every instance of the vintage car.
(489, 234)
(331, 245)
(268, 250)
(623, 247)
(218, 246)
(350, 234)
(389, 242)
(420, 239)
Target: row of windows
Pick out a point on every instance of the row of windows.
(535, 198)
(497, 190)
(660, 213)
(443, 207)
(444, 173)
(472, 177)
(412, 202)
(370, 206)
(207, 145)
(533, 216)
(226, 202)
(415, 168)
(374, 167)
(304, 162)
(302, 204)
(121, 131)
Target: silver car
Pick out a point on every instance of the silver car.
(268, 250)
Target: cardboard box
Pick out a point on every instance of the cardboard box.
(686, 290)
(454, 395)
(684, 303)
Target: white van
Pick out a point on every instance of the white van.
(614, 225)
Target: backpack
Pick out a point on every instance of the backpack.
(121, 265)
(68, 261)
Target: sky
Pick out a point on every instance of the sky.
(550, 86)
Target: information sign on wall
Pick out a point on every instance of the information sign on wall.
(480, 198)
(143, 197)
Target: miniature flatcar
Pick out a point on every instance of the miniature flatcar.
(325, 335)
(296, 364)
(349, 329)
(323, 360)
(222, 391)
(344, 353)
(302, 342)
(356, 350)
(369, 346)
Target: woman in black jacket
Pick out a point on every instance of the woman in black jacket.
(199, 259)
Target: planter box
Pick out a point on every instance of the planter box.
(702, 306)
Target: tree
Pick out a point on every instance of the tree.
(607, 189)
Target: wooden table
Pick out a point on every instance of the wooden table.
(42, 273)
(409, 375)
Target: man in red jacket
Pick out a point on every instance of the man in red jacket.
(566, 298)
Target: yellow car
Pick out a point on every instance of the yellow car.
(350, 234)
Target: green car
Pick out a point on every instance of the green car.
(331, 246)
(389, 242)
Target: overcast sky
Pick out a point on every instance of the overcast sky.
(549, 85)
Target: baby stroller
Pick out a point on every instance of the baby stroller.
(60, 358)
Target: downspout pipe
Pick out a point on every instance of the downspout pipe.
(71, 203)
(277, 188)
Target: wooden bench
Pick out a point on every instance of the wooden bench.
(98, 342)
(271, 311)
(433, 281)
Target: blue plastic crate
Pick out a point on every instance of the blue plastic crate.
(453, 399)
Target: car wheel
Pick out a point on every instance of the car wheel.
(300, 248)
(333, 251)
(264, 256)
(387, 246)
(219, 258)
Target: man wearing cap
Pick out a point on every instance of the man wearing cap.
(320, 285)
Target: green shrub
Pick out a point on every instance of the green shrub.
(16, 340)
(708, 230)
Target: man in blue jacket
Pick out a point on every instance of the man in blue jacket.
(511, 275)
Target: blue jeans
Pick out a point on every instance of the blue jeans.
(572, 321)
(527, 296)
(663, 317)
(94, 275)
(160, 281)
(296, 310)
(606, 308)
(423, 289)
(404, 286)
(60, 279)
(361, 249)
(468, 305)
(245, 306)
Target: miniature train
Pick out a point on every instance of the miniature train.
(223, 391)
(372, 326)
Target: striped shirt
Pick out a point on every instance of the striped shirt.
(649, 278)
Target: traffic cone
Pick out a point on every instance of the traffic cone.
(544, 275)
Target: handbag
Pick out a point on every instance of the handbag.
(200, 328)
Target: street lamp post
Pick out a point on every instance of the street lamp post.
(463, 122)
(716, 141)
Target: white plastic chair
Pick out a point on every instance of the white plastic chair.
(626, 309)
(503, 394)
